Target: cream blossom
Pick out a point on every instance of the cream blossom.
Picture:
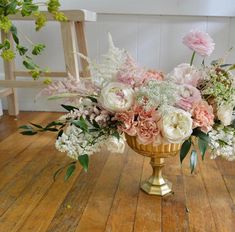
(176, 125)
(116, 97)
(115, 145)
(225, 114)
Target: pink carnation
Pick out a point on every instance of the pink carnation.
(200, 42)
(203, 117)
(147, 130)
(153, 75)
(128, 124)
(188, 97)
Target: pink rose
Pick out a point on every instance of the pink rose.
(200, 42)
(128, 124)
(147, 130)
(203, 117)
(189, 95)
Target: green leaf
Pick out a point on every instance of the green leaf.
(70, 171)
(81, 123)
(37, 49)
(51, 129)
(69, 108)
(116, 135)
(29, 132)
(232, 67)
(60, 134)
(185, 149)
(202, 144)
(36, 125)
(29, 64)
(93, 99)
(84, 161)
(14, 34)
(193, 160)
(95, 124)
(25, 127)
(198, 133)
(22, 50)
(54, 123)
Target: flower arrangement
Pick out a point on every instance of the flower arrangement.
(122, 98)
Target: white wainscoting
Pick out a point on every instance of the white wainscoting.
(154, 41)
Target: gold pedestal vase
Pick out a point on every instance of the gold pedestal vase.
(155, 184)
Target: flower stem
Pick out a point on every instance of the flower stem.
(191, 62)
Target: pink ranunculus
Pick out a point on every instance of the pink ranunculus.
(147, 130)
(153, 75)
(128, 125)
(189, 95)
(200, 42)
(203, 117)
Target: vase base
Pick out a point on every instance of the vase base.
(159, 190)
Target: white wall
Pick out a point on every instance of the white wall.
(153, 40)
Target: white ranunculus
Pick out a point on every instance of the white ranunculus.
(225, 114)
(115, 145)
(116, 97)
(176, 125)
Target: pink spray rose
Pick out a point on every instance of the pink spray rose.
(128, 124)
(147, 130)
(200, 42)
(203, 117)
(189, 95)
(153, 75)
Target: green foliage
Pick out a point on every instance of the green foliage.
(81, 123)
(8, 55)
(185, 149)
(70, 170)
(5, 23)
(84, 161)
(40, 20)
(193, 160)
(69, 108)
(202, 144)
(38, 48)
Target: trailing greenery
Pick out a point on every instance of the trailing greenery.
(26, 8)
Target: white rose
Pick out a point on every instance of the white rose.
(115, 145)
(176, 125)
(225, 114)
(117, 97)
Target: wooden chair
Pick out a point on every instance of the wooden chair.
(73, 36)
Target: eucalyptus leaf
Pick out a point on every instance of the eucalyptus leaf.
(185, 149)
(84, 161)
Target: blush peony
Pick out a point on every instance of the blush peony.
(200, 42)
(116, 97)
(203, 117)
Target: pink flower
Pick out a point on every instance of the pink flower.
(153, 75)
(147, 130)
(185, 74)
(189, 95)
(130, 73)
(143, 114)
(200, 42)
(128, 124)
(203, 117)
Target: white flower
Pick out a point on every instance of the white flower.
(116, 97)
(176, 125)
(225, 114)
(115, 145)
(185, 74)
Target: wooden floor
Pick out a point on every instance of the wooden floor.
(108, 197)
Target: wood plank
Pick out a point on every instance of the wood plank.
(122, 214)
(23, 178)
(82, 47)
(98, 207)
(67, 219)
(174, 215)
(49, 74)
(218, 195)
(21, 84)
(5, 92)
(72, 15)
(9, 67)
(226, 167)
(148, 213)
(197, 202)
(70, 48)
(34, 191)
(36, 220)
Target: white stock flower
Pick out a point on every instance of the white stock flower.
(225, 114)
(176, 125)
(115, 145)
(116, 97)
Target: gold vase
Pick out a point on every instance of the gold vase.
(155, 184)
